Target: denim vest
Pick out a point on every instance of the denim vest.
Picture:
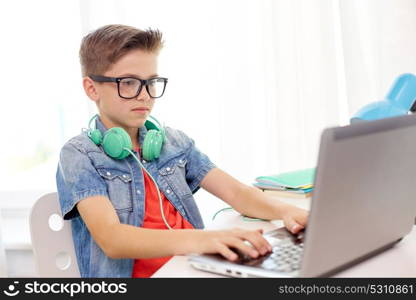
(84, 170)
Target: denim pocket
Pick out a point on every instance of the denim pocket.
(174, 173)
(119, 188)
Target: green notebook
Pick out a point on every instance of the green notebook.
(294, 179)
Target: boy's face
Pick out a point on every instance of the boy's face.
(114, 110)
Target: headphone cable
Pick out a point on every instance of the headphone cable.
(157, 188)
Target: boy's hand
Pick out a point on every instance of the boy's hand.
(295, 218)
(228, 242)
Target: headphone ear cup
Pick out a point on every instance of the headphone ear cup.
(96, 136)
(152, 144)
(115, 141)
(150, 125)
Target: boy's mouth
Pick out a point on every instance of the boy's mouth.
(140, 109)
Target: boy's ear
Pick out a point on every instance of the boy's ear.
(90, 89)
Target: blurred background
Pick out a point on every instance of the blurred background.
(253, 82)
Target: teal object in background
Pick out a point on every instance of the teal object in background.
(295, 179)
(399, 101)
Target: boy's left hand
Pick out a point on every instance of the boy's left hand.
(295, 218)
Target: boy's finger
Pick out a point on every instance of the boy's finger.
(303, 220)
(227, 253)
(296, 228)
(293, 226)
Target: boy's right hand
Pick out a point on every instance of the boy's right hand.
(228, 242)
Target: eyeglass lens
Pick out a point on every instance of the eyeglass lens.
(129, 87)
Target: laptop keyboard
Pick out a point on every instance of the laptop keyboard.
(285, 257)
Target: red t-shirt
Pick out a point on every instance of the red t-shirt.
(144, 268)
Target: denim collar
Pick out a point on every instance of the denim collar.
(101, 127)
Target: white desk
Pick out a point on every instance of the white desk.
(398, 261)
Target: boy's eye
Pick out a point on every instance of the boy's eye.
(129, 82)
(155, 81)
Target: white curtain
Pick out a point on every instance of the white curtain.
(379, 44)
(253, 82)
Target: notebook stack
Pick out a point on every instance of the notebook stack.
(296, 184)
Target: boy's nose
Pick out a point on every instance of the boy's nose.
(144, 95)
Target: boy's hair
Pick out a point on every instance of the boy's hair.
(104, 46)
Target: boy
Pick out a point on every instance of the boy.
(117, 224)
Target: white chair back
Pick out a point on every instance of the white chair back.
(52, 243)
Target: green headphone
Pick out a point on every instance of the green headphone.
(117, 143)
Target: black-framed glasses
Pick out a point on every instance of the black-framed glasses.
(130, 87)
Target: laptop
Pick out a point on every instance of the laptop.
(363, 203)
